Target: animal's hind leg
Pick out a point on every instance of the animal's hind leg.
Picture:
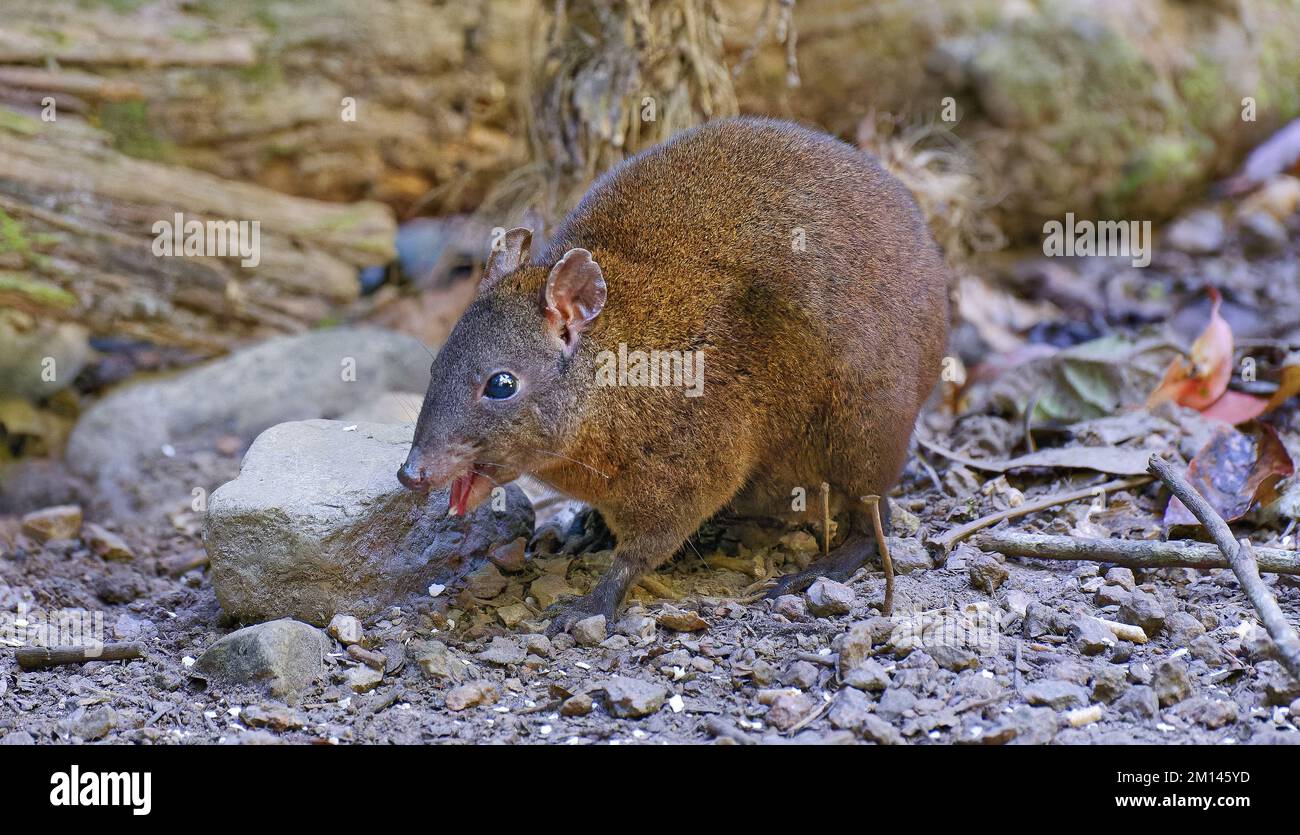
(859, 545)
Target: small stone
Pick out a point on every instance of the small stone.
(1142, 609)
(791, 607)
(345, 629)
(437, 662)
(282, 656)
(631, 698)
(471, 694)
(363, 679)
(908, 555)
(486, 583)
(1112, 595)
(1183, 629)
(92, 724)
(827, 598)
(1122, 577)
(1109, 681)
(787, 709)
(59, 522)
(549, 588)
(1140, 672)
(513, 615)
(800, 542)
(1199, 233)
(1024, 725)
(616, 643)
(510, 556)
(1171, 683)
(801, 674)
(895, 702)
(104, 543)
(856, 649)
(1056, 694)
(762, 672)
(17, 738)
(1279, 686)
(1091, 635)
(539, 645)
(681, 620)
(1210, 713)
(987, 573)
(589, 632)
(503, 651)
(849, 709)
(639, 628)
(879, 731)
(865, 674)
(129, 628)
(1205, 648)
(953, 657)
(577, 705)
(274, 716)
(1139, 702)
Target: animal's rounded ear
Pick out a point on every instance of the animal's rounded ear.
(508, 252)
(574, 295)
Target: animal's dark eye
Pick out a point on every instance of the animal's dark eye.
(501, 386)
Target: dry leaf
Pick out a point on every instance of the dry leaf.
(1235, 407)
(1290, 383)
(1233, 471)
(1201, 379)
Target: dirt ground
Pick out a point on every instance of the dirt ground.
(756, 671)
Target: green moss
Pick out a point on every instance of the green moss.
(128, 123)
(1165, 160)
(40, 292)
(13, 238)
(18, 123)
(119, 6)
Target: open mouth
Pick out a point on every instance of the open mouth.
(467, 492)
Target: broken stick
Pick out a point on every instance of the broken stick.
(1129, 553)
(1242, 560)
(38, 658)
(948, 540)
(874, 503)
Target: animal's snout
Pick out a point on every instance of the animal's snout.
(413, 476)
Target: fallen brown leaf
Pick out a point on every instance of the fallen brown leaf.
(1236, 468)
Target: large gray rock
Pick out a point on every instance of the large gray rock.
(282, 658)
(317, 524)
(321, 374)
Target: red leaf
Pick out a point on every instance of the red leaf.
(1201, 379)
(1234, 470)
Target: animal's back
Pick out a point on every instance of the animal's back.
(748, 227)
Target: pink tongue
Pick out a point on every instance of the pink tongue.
(460, 494)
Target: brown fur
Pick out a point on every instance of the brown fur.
(817, 361)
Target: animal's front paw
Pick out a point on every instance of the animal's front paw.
(566, 613)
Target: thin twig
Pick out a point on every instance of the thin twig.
(826, 519)
(1128, 552)
(952, 537)
(874, 503)
(1242, 559)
